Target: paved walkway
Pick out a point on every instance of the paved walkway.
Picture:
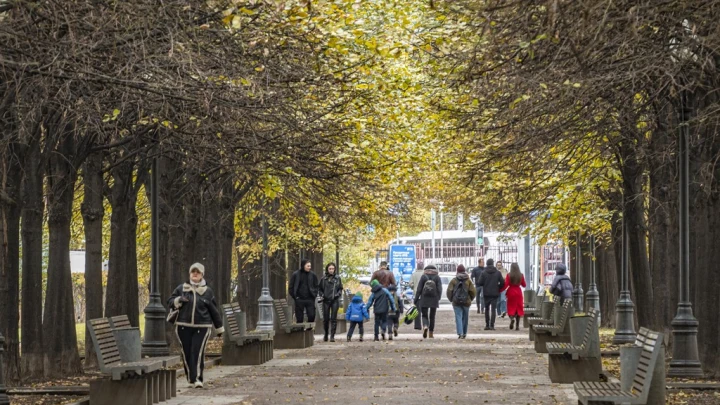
(497, 367)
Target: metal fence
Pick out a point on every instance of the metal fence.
(466, 254)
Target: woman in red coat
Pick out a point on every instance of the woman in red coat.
(513, 281)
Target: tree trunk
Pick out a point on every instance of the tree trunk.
(122, 286)
(60, 347)
(93, 212)
(172, 233)
(663, 220)
(249, 289)
(608, 286)
(10, 264)
(33, 206)
(705, 227)
(642, 287)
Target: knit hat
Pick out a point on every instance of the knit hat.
(358, 294)
(560, 269)
(430, 267)
(199, 267)
(374, 283)
(460, 268)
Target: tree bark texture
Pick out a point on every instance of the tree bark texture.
(172, 268)
(93, 212)
(33, 207)
(663, 218)
(61, 357)
(122, 286)
(607, 282)
(705, 226)
(633, 188)
(10, 263)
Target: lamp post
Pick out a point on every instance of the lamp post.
(154, 343)
(624, 308)
(578, 293)
(442, 246)
(593, 296)
(4, 400)
(686, 360)
(265, 302)
(432, 231)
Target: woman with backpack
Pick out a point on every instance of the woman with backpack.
(329, 291)
(514, 294)
(427, 297)
(561, 287)
(461, 292)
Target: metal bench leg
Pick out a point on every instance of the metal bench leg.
(124, 392)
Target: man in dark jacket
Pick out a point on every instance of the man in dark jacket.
(303, 288)
(475, 276)
(492, 282)
(384, 276)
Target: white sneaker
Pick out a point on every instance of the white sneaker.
(198, 384)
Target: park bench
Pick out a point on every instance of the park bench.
(533, 308)
(547, 316)
(642, 374)
(241, 348)
(579, 360)
(288, 334)
(558, 331)
(133, 380)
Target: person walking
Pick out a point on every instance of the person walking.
(561, 286)
(383, 275)
(356, 314)
(196, 313)
(513, 281)
(475, 276)
(394, 317)
(382, 302)
(330, 290)
(303, 288)
(461, 292)
(427, 297)
(502, 301)
(492, 282)
(414, 281)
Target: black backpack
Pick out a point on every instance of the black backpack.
(429, 289)
(460, 294)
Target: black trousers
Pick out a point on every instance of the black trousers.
(352, 328)
(394, 320)
(490, 312)
(381, 321)
(428, 317)
(330, 310)
(479, 298)
(302, 306)
(193, 342)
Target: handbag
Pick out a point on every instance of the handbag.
(173, 315)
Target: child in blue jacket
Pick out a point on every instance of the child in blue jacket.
(356, 314)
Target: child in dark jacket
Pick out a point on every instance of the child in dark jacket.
(394, 317)
(383, 303)
(356, 314)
